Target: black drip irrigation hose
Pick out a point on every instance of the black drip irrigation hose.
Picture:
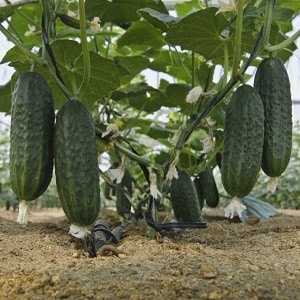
(101, 240)
(169, 226)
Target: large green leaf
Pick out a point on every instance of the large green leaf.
(120, 11)
(207, 33)
(158, 19)
(141, 33)
(103, 76)
(201, 32)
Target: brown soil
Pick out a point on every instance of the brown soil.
(228, 260)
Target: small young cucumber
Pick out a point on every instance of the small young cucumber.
(184, 199)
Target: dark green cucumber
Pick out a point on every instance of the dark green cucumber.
(243, 141)
(76, 163)
(272, 83)
(209, 187)
(124, 194)
(199, 190)
(31, 136)
(184, 199)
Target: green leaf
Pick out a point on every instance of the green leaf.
(157, 19)
(295, 4)
(185, 7)
(15, 54)
(8, 10)
(176, 94)
(120, 11)
(103, 77)
(5, 96)
(277, 37)
(142, 96)
(200, 32)
(28, 15)
(141, 33)
(129, 66)
(133, 91)
(206, 33)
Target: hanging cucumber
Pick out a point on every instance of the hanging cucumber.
(272, 83)
(31, 139)
(243, 141)
(76, 163)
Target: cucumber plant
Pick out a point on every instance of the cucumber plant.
(99, 56)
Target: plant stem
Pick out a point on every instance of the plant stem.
(238, 38)
(85, 50)
(143, 161)
(268, 22)
(283, 44)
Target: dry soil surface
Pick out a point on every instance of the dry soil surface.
(228, 260)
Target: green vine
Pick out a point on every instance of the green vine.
(238, 38)
(85, 50)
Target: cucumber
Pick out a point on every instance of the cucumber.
(184, 199)
(209, 187)
(31, 136)
(272, 83)
(243, 141)
(124, 194)
(76, 163)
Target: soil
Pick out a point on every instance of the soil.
(228, 260)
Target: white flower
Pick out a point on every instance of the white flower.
(172, 172)
(272, 185)
(210, 122)
(194, 94)
(154, 191)
(235, 206)
(23, 213)
(95, 24)
(31, 31)
(226, 5)
(111, 129)
(208, 144)
(118, 173)
(78, 231)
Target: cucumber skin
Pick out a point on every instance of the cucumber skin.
(76, 163)
(184, 199)
(272, 83)
(31, 136)
(243, 141)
